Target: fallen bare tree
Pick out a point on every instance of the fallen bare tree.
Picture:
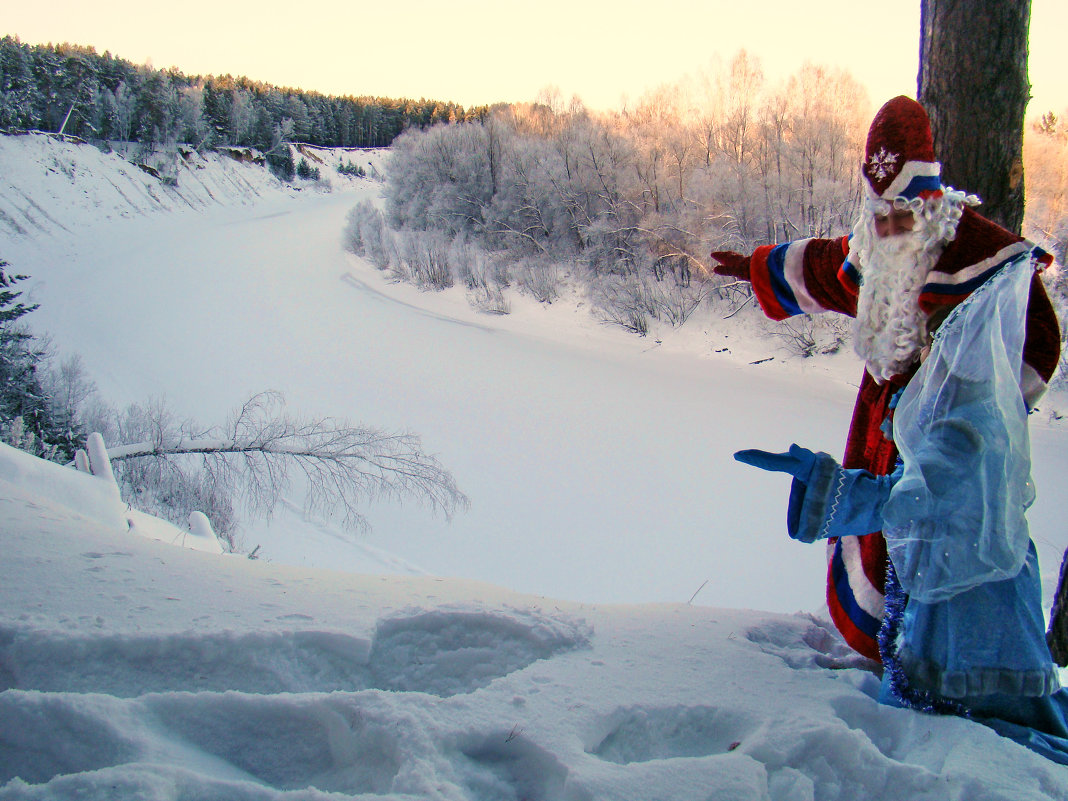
(261, 448)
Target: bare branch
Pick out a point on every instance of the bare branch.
(344, 465)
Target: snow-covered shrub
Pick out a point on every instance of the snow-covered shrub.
(467, 260)
(807, 335)
(626, 301)
(632, 301)
(366, 234)
(489, 298)
(540, 278)
(423, 259)
(165, 488)
(675, 303)
(173, 489)
(15, 433)
(482, 273)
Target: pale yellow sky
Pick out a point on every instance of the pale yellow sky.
(483, 51)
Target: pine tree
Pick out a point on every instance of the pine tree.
(281, 163)
(21, 399)
(27, 419)
(306, 171)
(9, 309)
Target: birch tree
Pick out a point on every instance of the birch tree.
(262, 450)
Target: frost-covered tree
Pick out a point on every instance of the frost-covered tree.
(441, 178)
(367, 235)
(256, 455)
(68, 389)
(281, 135)
(125, 108)
(192, 125)
(1046, 162)
(637, 195)
(241, 115)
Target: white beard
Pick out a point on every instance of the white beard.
(891, 328)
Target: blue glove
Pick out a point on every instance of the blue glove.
(798, 461)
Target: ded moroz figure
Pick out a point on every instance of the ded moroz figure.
(931, 569)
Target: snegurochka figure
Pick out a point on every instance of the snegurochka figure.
(932, 570)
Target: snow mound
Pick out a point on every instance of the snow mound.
(58, 487)
(437, 652)
(446, 652)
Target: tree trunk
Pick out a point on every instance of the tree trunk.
(1057, 636)
(973, 84)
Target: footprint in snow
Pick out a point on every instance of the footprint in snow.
(642, 734)
(451, 652)
(804, 642)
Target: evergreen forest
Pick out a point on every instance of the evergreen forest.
(72, 89)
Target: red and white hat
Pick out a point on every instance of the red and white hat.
(899, 156)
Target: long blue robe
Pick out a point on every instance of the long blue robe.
(964, 631)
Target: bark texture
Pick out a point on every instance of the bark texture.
(973, 84)
(1057, 636)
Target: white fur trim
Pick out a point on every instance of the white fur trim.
(1032, 385)
(794, 268)
(867, 597)
(968, 273)
(910, 170)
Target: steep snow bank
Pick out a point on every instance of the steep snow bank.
(49, 185)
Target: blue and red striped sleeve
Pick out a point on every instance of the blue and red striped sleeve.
(802, 277)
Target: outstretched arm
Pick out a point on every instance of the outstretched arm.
(802, 277)
(826, 500)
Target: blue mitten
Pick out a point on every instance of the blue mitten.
(798, 461)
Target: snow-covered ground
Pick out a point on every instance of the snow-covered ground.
(603, 498)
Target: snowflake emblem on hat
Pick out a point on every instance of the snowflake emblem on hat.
(882, 163)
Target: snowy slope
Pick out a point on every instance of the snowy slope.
(133, 669)
(51, 186)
